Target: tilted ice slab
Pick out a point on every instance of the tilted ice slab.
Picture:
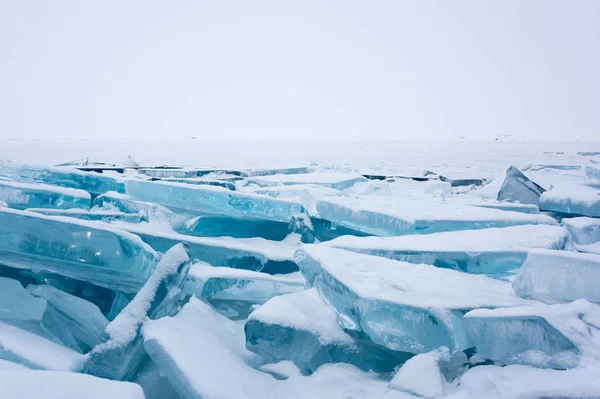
(242, 253)
(585, 230)
(200, 351)
(395, 216)
(399, 305)
(211, 199)
(551, 336)
(518, 188)
(94, 183)
(81, 320)
(36, 352)
(574, 199)
(225, 226)
(234, 291)
(88, 251)
(21, 195)
(41, 384)
(520, 382)
(121, 353)
(84, 214)
(338, 181)
(148, 211)
(559, 276)
(303, 328)
(489, 251)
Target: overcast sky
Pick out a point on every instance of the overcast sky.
(303, 69)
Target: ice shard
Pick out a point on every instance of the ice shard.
(303, 328)
(584, 230)
(398, 305)
(94, 183)
(518, 188)
(393, 216)
(549, 336)
(211, 199)
(69, 315)
(89, 251)
(96, 214)
(148, 211)
(497, 251)
(233, 292)
(559, 276)
(36, 352)
(21, 195)
(121, 353)
(225, 226)
(572, 199)
(338, 181)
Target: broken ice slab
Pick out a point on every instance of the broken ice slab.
(497, 252)
(303, 328)
(584, 230)
(257, 254)
(559, 276)
(592, 173)
(83, 214)
(233, 292)
(280, 171)
(338, 181)
(43, 384)
(395, 216)
(572, 199)
(36, 352)
(148, 211)
(304, 194)
(90, 251)
(94, 183)
(168, 172)
(201, 182)
(590, 248)
(69, 315)
(225, 226)
(20, 195)
(398, 305)
(121, 352)
(215, 200)
(518, 188)
(549, 336)
(512, 207)
(520, 382)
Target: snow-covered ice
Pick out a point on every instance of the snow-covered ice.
(572, 199)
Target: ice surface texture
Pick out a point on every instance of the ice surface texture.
(90, 251)
(91, 182)
(398, 305)
(495, 251)
(573, 199)
(393, 217)
(301, 327)
(518, 188)
(19, 195)
(121, 353)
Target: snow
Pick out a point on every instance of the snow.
(17, 384)
(421, 375)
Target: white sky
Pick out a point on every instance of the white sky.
(304, 69)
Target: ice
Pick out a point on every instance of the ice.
(121, 353)
(301, 327)
(399, 305)
(495, 251)
(154, 385)
(17, 306)
(202, 181)
(242, 253)
(234, 291)
(41, 384)
(518, 188)
(202, 354)
(96, 214)
(94, 183)
(550, 336)
(572, 199)
(559, 276)
(422, 375)
(220, 226)
(512, 207)
(211, 199)
(585, 230)
(398, 216)
(338, 181)
(33, 351)
(148, 211)
(591, 248)
(20, 195)
(168, 172)
(523, 382)
(81, 320)
(279, 171)
(90, 251)
(592, 173)
(304, 194)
